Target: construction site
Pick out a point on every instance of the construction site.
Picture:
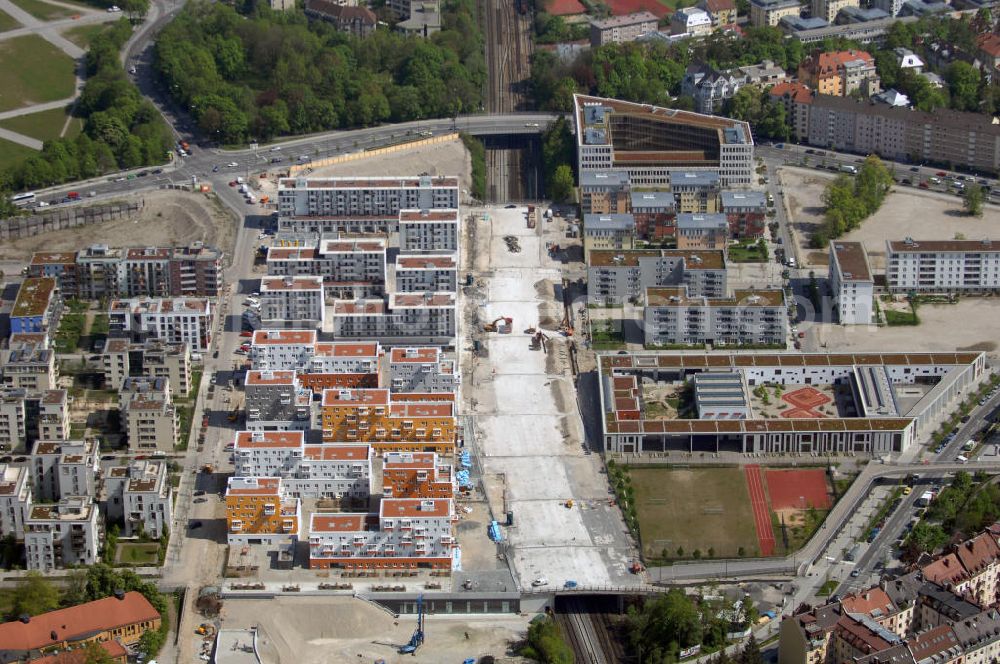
(555, 524)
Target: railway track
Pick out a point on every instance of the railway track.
(587, 634)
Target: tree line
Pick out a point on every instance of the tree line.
(962, 509)
(121, 128)
(851, 199)
(264, 73)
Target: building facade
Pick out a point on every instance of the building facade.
(949, 266)
(852, 283)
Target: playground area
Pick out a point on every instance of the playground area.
(798, 401)
(727, 512)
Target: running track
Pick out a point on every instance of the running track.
(761, 515)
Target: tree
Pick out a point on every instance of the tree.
(972, 200)
(667, 623)
(546, 644)
(751, 652)
(963, 84)
(561, 186)
(94, 653)
(34, 595)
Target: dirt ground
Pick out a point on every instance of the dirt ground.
(980, 319)
(317, 630)
(439, 159)
(167, 218)
(905, 212)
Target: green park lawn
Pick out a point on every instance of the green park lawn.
(48, 78)
(44, 126)
(7, 23)
(82, 35)
(13, 153)
(43, 11)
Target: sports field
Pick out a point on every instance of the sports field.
(50, 76)
(694, 509)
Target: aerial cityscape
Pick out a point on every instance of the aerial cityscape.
(499, 331)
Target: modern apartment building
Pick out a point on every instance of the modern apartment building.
(170, 320)
(15, 500)
(423, 369)
(416, 475)
(258, 512)
(852, 283)
(356, 197)
(140, 494)
(346, 357)
(649, 143)
(615, 277)
(13, 420)
(152, 359)
(36, 307)
(604, 192)
(408, 318)
(942, 266)
(61, 468)
(746, 213)
(292, 302)
(388, 421)
(655, 214)
(331, 472)
(701, 232)
(405, 534)
(614, 232)
(768, 13)
(749, 317)
(282, 350)
(100, 271)
(690, 21)
(427, 272)
(276, 401)
(696, 192)
(619, 29)
(428, 230)
(28, 365)
(62, 534)
(349, 267)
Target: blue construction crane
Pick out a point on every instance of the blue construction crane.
(418, 634)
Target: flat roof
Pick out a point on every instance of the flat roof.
(738, 199)
(53, 258)
(358, 307)
(708, 221)
(33, 297)
(625, 19)
(852, 259)
(415, 507)
(429, 262)
(363, 349)
(604, 178)
(291, 283)
(652, 199)
(270, 377)
(436, 214)
(611, 222)
(368, 183)
(337, 452)
(694, 178)
(422, 354)
(694, 259)
(267, 439)
(253, 486)
(421, 300)
(676, 296)
(284, 337)
(925, 246)
(356, 397)
(339, 523)
(409, 460)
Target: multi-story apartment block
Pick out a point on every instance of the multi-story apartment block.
(390, 422)
(723, 12)
(980, 557)
(374, 197)
(140, 494)
(428, 230)
(768, 13)
(63, 468)
(148, 414)
(615, 277)
(852, 283)
(746, 212)
(122, 359)
(258, 512)
(427, 272)
(344, 357)
(416, 475)
(696, 192)
(66, 533)
(604, 192)
(702, 231)
(170, 320)
(292, 302)
(620, 29)
(98, 271)
(13, 420)
(839, 73)
(50, 411)
(307, 471)
(15, 500)
(406, 318)
(655, 214)
(349, 267)
(649, 143)
(749, 317)
(275, 401)
(28, 365)
(405, 534)
(36, 307)
(426, 369)
(614, 232)
(828, 9)
(942, 266)
(690, 21)
(284, 350)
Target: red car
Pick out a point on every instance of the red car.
(246, 333)
(924, 185)
(941, 174)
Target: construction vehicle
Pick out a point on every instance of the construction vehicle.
(538, 341)
(418, 634)
(207, 468)
(636, 567)
(569, 504)
(234, 414)
(494, 326)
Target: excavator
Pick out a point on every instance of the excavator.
(492, 326)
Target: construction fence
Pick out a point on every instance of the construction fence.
(69, 217)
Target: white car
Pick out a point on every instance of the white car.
(131, 70)
(232, 164)
(540, 581)
(114, 8)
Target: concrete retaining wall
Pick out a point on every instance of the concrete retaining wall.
(299, 169)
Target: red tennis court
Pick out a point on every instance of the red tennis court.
(761, 515)
(621, 7)
(798, 489)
